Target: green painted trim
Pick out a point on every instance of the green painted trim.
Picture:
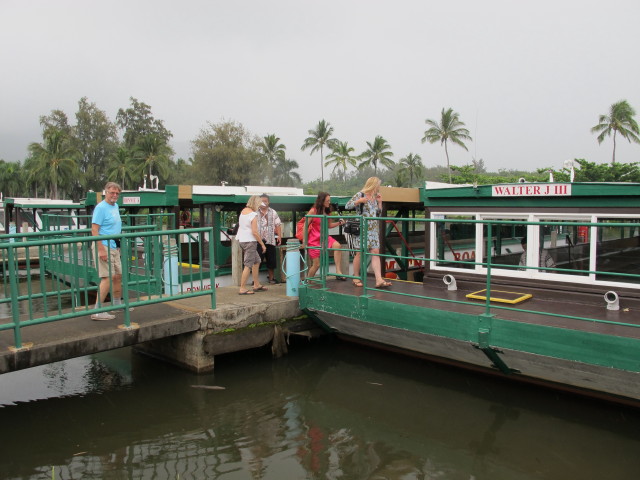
(586, 347)
(582, 195)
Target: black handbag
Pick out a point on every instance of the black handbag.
(352, 227)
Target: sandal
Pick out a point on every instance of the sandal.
(248, 292)
(342, 279)
(383, 285)
(261, 288)
(357, 283)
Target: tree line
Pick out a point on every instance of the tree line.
(75, 158)
(134, 150)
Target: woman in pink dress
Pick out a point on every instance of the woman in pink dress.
(322, 205)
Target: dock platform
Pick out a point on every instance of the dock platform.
(184, 331)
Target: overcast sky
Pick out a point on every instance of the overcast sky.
(529, 79)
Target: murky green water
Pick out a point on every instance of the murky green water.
(326, 410)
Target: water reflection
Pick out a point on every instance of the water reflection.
(326, 410)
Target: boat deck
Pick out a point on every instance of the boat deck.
(589, 306)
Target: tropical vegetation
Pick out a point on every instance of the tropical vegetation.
(317, 139)
(341, 157)
(412, 166)
(448, 128)
(80, 153)
(378, 151)
(619, 120)
(54, 161)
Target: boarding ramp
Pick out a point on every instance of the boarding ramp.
(51, 276)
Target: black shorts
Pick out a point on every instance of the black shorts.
(269, 257)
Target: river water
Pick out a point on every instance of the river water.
(327, 410)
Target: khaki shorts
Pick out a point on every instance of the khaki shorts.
(114, 259)
(251, 256)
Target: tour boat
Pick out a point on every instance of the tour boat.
(561, 308)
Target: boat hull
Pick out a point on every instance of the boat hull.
(589, 363)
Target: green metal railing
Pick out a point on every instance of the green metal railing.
(365, 256)
(64, 222)
(59, 280)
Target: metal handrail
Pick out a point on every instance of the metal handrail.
(365, 254)
(51, 246)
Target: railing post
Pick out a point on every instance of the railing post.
(125, 257)
(212, 267)
(324, 249)
(157, 261)
(364, 225)
(13, 287)
(488, 301)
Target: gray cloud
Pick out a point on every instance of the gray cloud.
(529, 80)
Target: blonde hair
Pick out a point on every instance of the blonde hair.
(254, 202)
(371, 184)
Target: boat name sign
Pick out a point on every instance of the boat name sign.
(541, 190)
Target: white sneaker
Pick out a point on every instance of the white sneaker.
(102, 316)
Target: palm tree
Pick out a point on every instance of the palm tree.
(10, 178)
(401, 178)
(378, 152)
(319, 137)
(283, 174)
(121, 166)
(341, 156)
(449, 128)
(620, 120)
(54, 160)
(272, 149)
(153, 152)
(412, 164)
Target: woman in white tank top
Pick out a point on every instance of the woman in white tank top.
(249, 239)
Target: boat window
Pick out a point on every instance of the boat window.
(564, 247)
(506, 248)
(455, 241)
(618, 250)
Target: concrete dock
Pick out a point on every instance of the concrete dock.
(184, 331)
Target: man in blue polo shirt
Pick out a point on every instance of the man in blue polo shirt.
(106, 221)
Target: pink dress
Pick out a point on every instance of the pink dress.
(313, 237)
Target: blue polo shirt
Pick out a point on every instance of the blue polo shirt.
(108, 217)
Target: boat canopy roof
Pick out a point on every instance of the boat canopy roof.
(17, 202)
(228, 197)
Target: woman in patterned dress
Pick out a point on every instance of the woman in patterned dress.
(368, 203)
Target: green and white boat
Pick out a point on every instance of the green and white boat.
(564, 313)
